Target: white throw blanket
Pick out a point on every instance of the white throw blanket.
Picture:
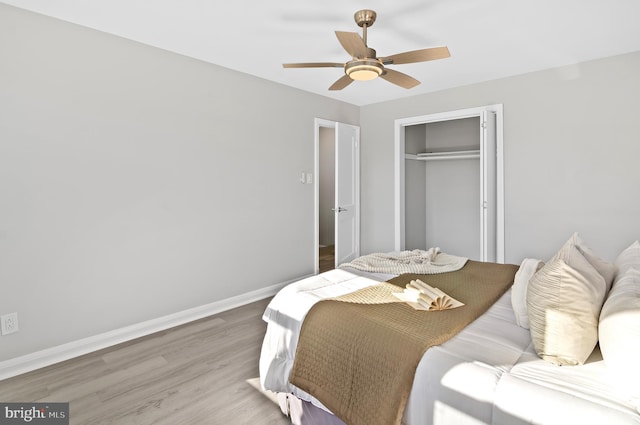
(417, 261)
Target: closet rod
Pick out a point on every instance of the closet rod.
(438, 156)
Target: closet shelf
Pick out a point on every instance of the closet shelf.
(434, 156)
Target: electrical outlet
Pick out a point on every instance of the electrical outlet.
(9, 323)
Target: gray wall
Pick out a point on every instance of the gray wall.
(415, 212)
(572, 143)
(453, 189)
(327, 186)
(453, 135)
(442, 197)
(136, 183)
(453, 206)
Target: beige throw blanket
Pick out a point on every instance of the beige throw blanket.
(358, 354)
(417, 261)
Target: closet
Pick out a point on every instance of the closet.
(448, 178)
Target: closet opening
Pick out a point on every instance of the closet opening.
(449, 183)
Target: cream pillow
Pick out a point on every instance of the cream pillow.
(629, 258)
(620, 334)
(519, 289)
(563, 302)
(606, 269)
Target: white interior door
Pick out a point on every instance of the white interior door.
(488, 171)
(347, 208)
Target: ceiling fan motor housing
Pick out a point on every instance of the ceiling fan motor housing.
(365, 17)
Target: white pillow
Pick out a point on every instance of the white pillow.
(519, 290)
(606, 269)
(628, 258)
(563, 301)
(619, 333)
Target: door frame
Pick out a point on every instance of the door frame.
(399, 146)
(324, 123)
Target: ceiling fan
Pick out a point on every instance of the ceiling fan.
(365, 65)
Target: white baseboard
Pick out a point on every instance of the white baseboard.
(49, 356)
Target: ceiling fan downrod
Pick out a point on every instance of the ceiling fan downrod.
(365, 18)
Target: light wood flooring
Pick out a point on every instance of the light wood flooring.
(198, 373)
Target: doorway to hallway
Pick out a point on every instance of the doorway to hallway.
(338, 209)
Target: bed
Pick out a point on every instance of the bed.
(491, 372)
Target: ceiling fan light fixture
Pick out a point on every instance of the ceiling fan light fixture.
(365, 64)
(364, 70)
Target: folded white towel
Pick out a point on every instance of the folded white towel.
(422, 296)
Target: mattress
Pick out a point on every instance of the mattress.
(487, 374)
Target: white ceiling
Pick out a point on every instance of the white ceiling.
(488, 39)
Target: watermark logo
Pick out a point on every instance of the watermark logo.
(34, 413)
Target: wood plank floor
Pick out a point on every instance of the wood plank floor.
(198, 373)
(326, 256)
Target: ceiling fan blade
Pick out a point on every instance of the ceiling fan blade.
(313, 65)
(341, 83)
(421, 55)
(400, 79)
(352, 43)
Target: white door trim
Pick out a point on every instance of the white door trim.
(323, 123)
(399, 168)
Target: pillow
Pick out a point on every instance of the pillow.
(606, 269)
(629, 258)
(563, 302)
(519, 290)
(620, 334)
